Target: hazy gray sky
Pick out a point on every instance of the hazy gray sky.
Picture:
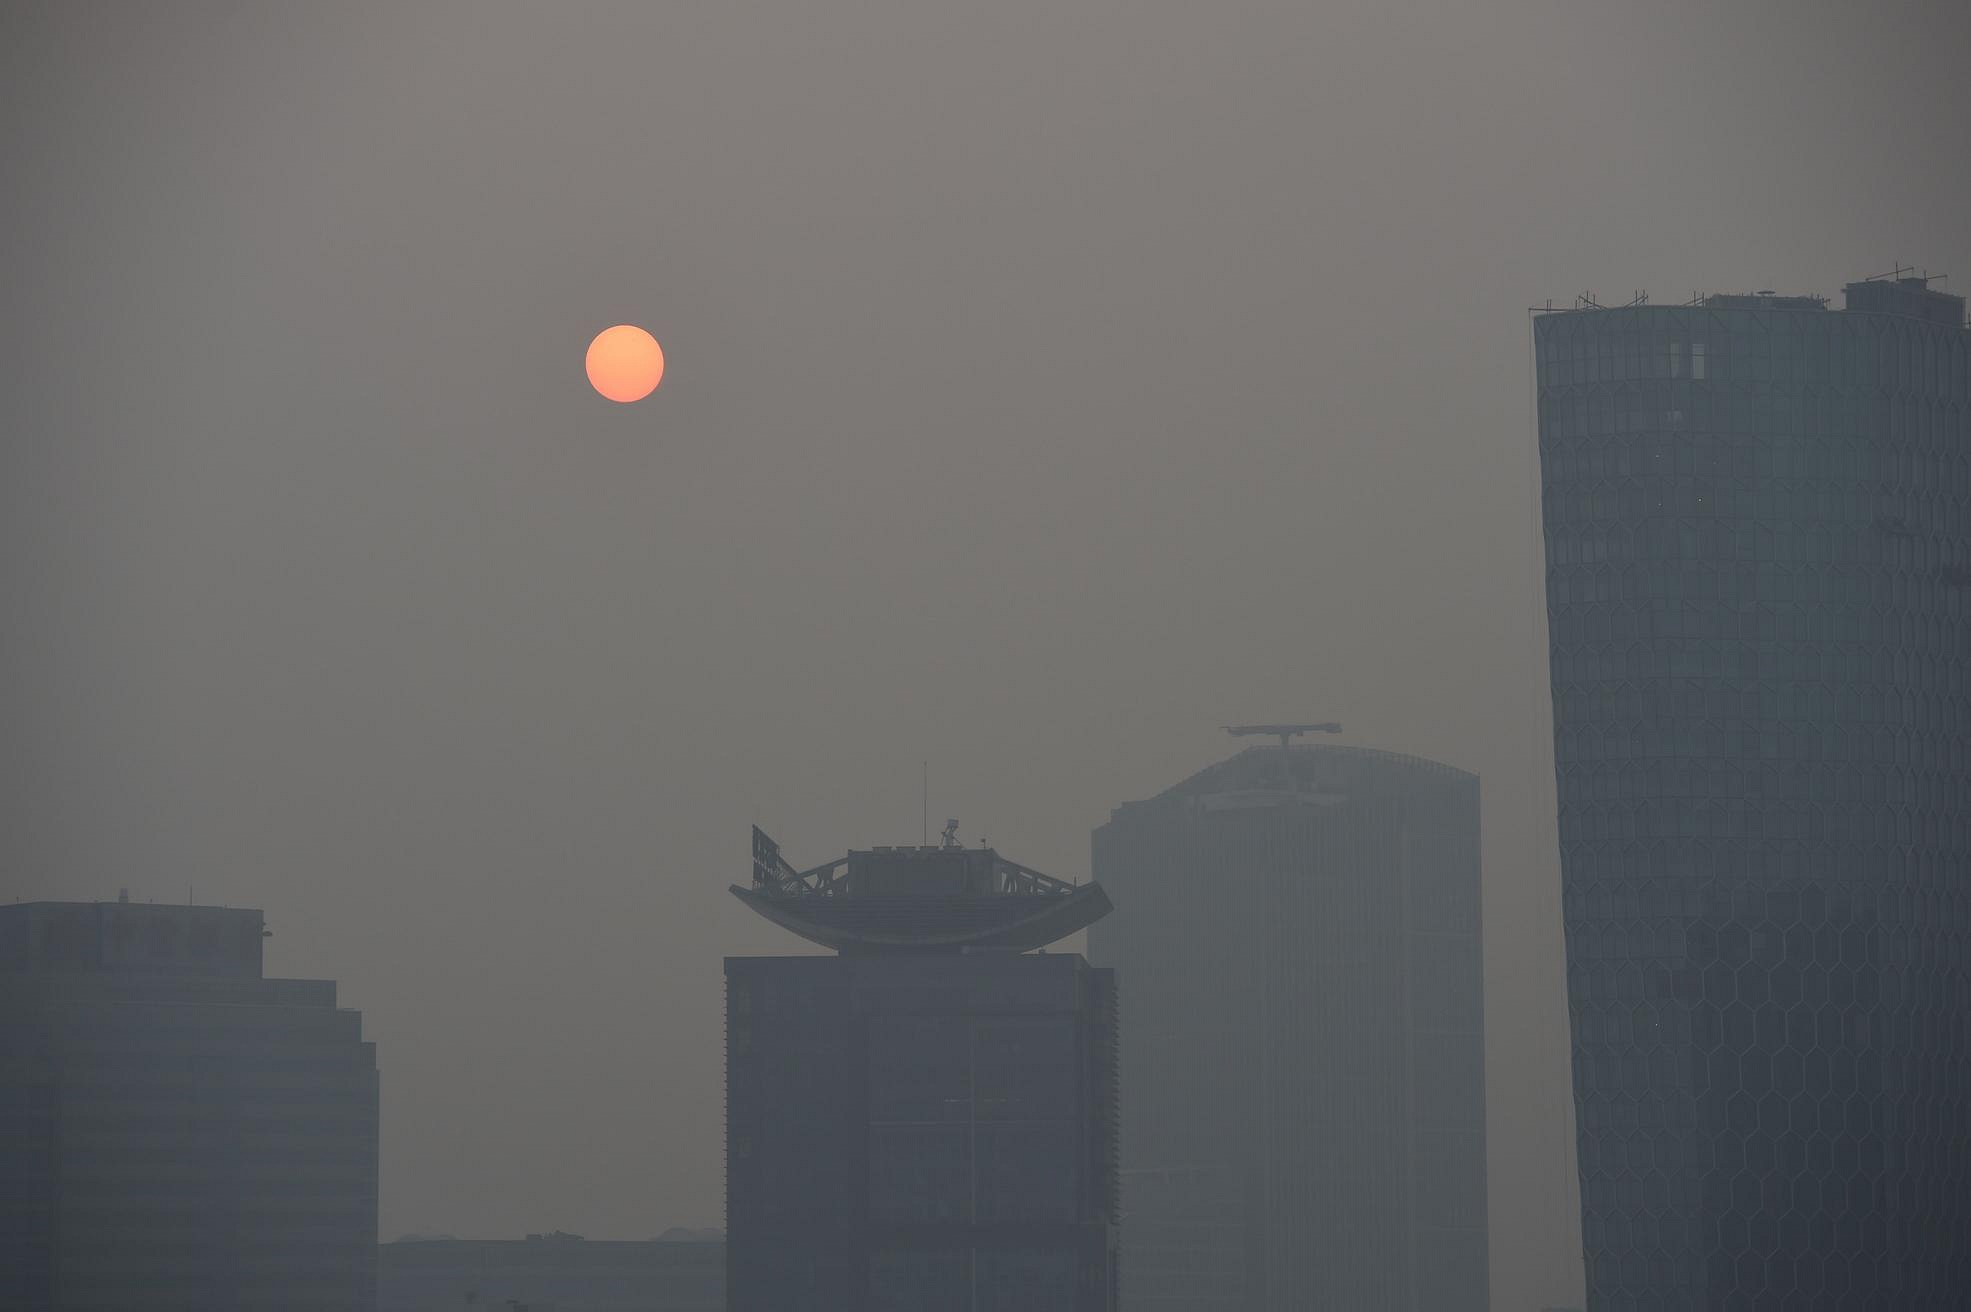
(1049, 384)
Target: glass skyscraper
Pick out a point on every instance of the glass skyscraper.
(1758, 534)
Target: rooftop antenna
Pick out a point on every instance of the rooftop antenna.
(949, 839)
(1286, 733)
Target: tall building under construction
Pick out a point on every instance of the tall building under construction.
(926, 1119)
(1306, 1121)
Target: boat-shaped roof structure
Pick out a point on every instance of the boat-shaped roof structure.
(918, 899)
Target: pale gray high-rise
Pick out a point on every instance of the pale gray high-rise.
(1305, 1125)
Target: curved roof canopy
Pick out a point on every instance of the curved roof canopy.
(918, 899)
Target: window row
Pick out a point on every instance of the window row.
(1807, 522)
(1585, 659)
(1857, 351)
(1742, 819)
(1892, 700)
(1684, 781)
(1905, 447)
(1872, 596)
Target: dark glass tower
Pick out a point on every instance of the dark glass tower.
(1758, 531)
(926, 1120)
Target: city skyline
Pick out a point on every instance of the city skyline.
(1062, 382)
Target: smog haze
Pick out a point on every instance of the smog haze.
(1047, 386)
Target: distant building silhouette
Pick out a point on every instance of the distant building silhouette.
(178, 1134)
(1306, 1117)
(551, 1275)
(1758, 533)
(926, 1120)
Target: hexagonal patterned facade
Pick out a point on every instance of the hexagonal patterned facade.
(1758, 532)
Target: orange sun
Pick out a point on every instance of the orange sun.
(625, 363)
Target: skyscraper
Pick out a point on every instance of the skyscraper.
(1758, 532)
(926, 1120)
(1306, 1117)
(176, 1132)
